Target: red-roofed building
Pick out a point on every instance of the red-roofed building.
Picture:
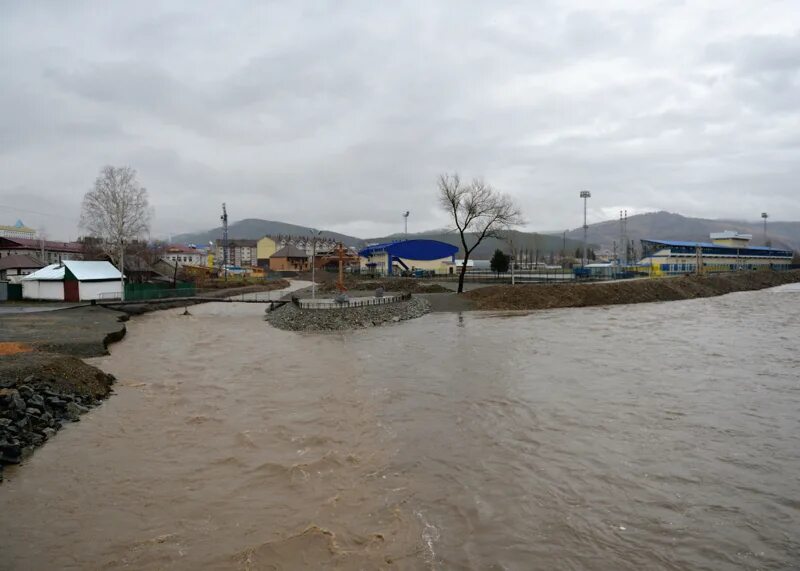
(46, 251)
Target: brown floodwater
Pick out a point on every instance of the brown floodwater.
(652, 436)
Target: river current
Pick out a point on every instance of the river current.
(650, 436)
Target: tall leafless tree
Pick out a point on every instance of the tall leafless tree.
(478, 212)
(116, 211)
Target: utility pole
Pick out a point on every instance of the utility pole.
(585, 195)
(405, 217)
(340, 283)
(224, 219)
(513, 259)
(314, 234)
(122, 269)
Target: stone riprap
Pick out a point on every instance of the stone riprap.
(32, 412)
(292, 318)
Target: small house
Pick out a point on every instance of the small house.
(16, 266)
(289, 258)
(73, 280)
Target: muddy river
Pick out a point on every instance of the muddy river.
(654, 436)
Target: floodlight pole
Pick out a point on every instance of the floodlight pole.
(405, 217)
(585, 195)
(764, 215)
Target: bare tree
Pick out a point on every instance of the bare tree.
(478, 210)
(116, 210)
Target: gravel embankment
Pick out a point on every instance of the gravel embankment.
(536, 296)
(292, 318)
(34, 409)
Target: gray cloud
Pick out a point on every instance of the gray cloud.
(342, 116)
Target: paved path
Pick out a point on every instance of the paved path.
(273, 295)
(14, 308)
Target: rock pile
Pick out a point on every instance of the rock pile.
(292, 318)
(32, 412)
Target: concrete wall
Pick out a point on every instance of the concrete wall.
(438, 266)
(92, 290)
(379, 259)
(40, 289)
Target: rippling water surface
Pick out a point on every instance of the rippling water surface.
(653, 436)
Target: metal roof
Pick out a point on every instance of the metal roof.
(53, 272)
(19, 261)
(711, 245)
(83, 271)
(413, 249)
(86, 271)
(289, 251)
(32, 243)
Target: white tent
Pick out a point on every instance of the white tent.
(73, 280)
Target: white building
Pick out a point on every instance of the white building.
(18, 230)
(73, 280)
(185, 256)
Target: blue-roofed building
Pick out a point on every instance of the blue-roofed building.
(413, 256)
(727, 251)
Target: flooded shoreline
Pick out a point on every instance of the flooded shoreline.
(657, 436)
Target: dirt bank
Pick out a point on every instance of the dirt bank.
(80, 331)
(43, 382)
(546, 296)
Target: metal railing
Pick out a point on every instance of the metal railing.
(108, 295)
(351, 302)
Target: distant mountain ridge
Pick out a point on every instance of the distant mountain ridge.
(255, 229)
(670, 226)
(653, 225)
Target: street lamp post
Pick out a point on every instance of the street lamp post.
(764, 215)
(585, 195)
(405, 217)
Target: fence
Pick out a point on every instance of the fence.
(351, 302)
(158, 291)
(520, 277)
(10, 292)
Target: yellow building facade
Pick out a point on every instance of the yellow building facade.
(265, 248)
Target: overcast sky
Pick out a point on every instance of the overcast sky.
(341, 115)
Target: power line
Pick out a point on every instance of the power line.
(17, 209)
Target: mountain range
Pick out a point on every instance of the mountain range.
(602, 235)
(255, 228)
(670, 226)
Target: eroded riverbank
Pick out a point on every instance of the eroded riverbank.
(550, 296)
